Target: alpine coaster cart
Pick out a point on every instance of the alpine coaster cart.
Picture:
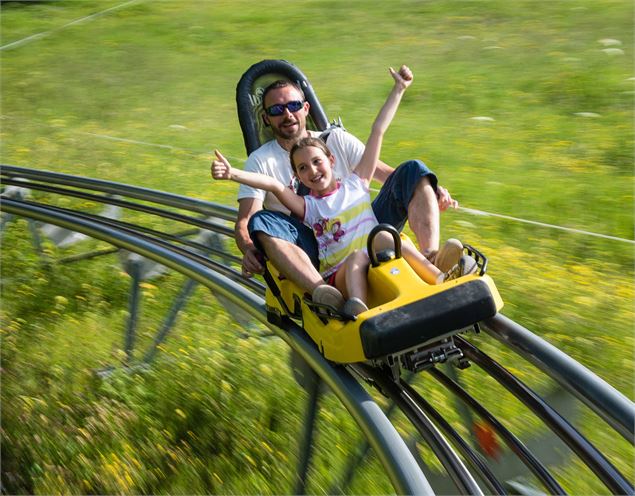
(410, 324)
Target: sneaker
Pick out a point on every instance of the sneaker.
(469, 265)
(354, 306)
(449, 255)
(328, 295)
(466, 266)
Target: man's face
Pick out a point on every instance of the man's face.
(288, 125)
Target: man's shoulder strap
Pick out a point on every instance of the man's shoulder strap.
(336, 124)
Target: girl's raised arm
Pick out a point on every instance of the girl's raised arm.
(221, 169)
(367, 164)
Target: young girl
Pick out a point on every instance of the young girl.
(339, 213)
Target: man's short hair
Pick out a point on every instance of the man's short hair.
(280, 83)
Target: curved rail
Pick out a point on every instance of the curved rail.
(607, 473)
(114, 188)
(393, 453)
(534, 465)
(172, 251)
(409, 402)
(601, 397)
(598, 395)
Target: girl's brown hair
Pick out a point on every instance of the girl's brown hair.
(305, 143)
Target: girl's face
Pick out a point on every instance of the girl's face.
(315, 170)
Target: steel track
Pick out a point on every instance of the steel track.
(465, 465)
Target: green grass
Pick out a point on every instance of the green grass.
(218, 414)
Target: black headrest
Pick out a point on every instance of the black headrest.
(249, 96)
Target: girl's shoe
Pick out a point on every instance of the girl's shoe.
(354, 306)
(328, 295)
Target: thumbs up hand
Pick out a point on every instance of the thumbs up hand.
(221, 169)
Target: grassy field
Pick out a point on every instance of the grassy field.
(524, 109)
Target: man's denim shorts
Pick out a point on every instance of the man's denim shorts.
(286, 227)
(391, 203)
(390, 206)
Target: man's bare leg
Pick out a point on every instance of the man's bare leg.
(423, 217)
(291, 261)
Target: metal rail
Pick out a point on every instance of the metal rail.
(400, 465)
(612, 406)
(126, 204)
(474, 459)
(519, 449)
(114, 188)
(604, 469)
(123, 227)
(407, 402)
(398, 462)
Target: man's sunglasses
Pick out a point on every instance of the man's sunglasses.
(278, 108)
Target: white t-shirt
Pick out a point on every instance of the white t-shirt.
(273, 160)
(341, 222)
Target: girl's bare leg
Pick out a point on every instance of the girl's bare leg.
(420, 264)
(351, 278)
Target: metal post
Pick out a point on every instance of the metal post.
(170, 319)
(37, 241)
(357, 458)
(134, 269)
(306, 443)
(4, 220)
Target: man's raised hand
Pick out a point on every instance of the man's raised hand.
(221, 169)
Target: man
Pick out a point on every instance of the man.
(410, 192)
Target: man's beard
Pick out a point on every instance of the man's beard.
(281, 133)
